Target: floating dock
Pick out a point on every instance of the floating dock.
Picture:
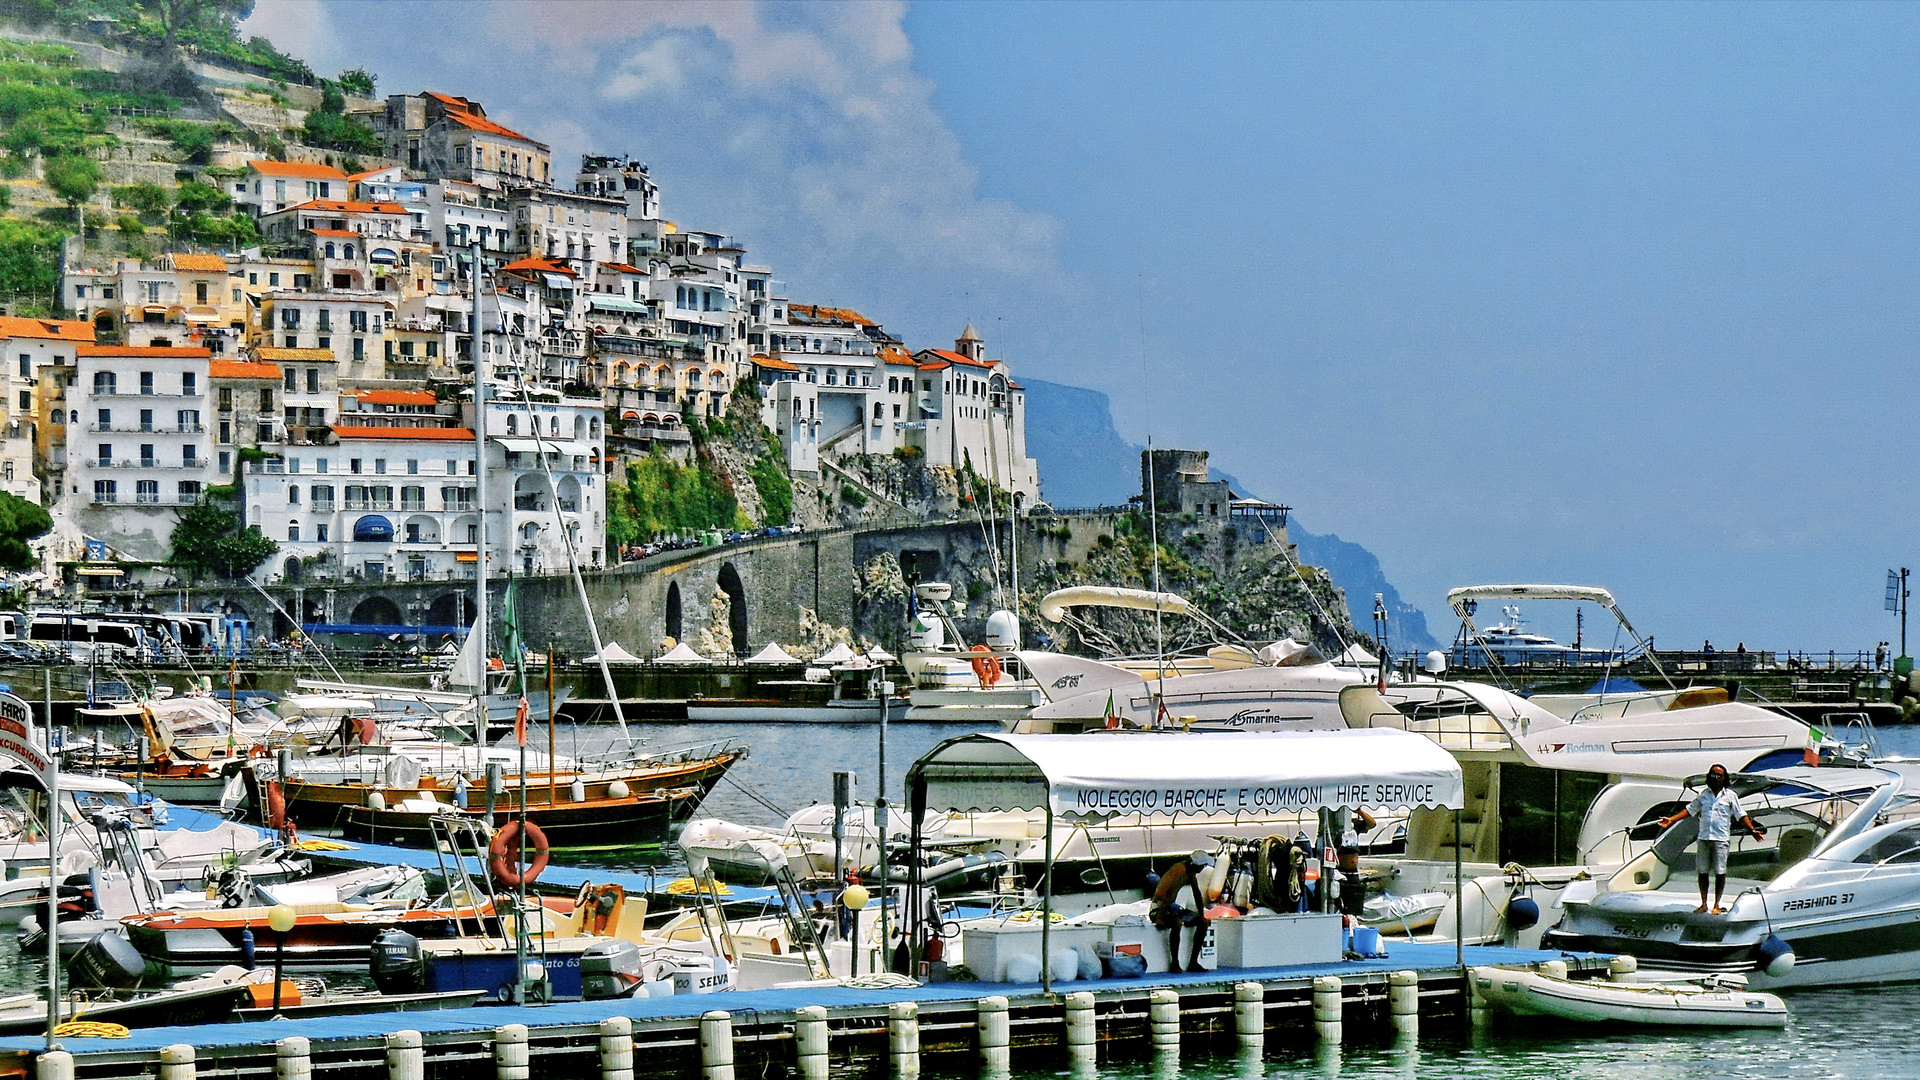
(806, 1028)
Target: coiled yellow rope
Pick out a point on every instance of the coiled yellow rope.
(90, 1029)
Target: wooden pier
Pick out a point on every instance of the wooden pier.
(801, 1030)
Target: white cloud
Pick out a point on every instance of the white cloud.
(299, 28)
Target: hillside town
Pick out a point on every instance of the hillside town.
(322, 381)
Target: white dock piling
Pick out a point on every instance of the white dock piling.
(54, 1065)
(1328, 998)
(176, 1062)
(810, 1040)
(1623, 968)
(996, 1036)
(1082, 1035)
(1403, 1001)
(903, 1037)
(405, 1059)
(510, 1052)
(1250, 1015)
(616, 1048)
(1163, 1013)
(293, 1058)
(716, 1045)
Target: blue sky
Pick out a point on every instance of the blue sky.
(1612, 294)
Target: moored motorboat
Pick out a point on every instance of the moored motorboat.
(1714, 1001)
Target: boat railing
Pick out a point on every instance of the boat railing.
(677, 756)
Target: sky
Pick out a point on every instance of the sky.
(1606, 294)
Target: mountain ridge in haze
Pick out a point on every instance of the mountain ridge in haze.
(1084, 461)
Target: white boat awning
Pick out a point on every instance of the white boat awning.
(1589, 593)
(1099, 775)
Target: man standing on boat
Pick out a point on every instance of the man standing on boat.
(1718, 808)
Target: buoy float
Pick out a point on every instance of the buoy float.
(618, 790)
(1522, 912)
(1775, 956)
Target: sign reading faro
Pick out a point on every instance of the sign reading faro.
(16, 733)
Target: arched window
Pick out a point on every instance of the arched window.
(879, 411)
(293, 531)
(349, 251)
(553, 425)
(329, 249)
(513, 425)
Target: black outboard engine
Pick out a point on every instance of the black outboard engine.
(397, 966)
(611, 969)
(109, 962)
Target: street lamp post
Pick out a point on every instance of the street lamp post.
(280, 918)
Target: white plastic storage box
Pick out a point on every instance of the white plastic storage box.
(1280, 940)
(986, 949)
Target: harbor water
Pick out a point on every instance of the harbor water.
(1850, 1033)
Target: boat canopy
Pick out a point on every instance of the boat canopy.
(1053, 607)
(1592, 594)
(1090, 777)
(839, 654)
(1355, 656)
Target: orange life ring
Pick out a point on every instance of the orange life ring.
(986, 666)
(258, 750)
(505, 847)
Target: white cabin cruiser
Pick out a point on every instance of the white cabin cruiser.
(1826, 898)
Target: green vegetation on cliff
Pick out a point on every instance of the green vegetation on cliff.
(662, 497)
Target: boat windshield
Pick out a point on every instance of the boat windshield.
(1796, 819)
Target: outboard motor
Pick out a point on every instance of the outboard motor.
(397, 966)
(107, 962)
(611, 969)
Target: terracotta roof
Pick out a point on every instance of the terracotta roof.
(333, 232)
(956, 358)
(396, 397)
(773, 363)
(293, 354)
(302, 169)
(423, 434)
(14, 326)
(212, 264)
(828, 314)
(237, 369)
(339, 206)
(935, 367)
(539, 265)
(181, 352)
(371, 172)
(481, 123)
(893, 354)
(623, 268)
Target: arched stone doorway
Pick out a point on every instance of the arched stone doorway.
(673, 610)
(736, 607)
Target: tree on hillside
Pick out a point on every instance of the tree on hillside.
(210, 539)
(73, 178)
(179, 16)
(20, 521)
(357, 81)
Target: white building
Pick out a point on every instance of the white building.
(541, 516)
(26, 347)
(271, 186)
(971, 414)
(137, 443)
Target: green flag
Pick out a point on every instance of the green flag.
(510, 622)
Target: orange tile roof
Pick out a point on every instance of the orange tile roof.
(893, 354)
(293, 354)
(339, 206)
(239, 369)
(371, 172)
(773, 363)
(828, 314)
(623, 268)
(181, 352)
(14, 326)
(397, 397)
(539, 265)
(302, 169)
(212, 264)
(956, 358)
(333, 232)
(428, 434)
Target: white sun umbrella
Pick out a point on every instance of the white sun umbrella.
(1355, 656)
(612, 653)
(681, 654)
(839, 654)
(773, 654)
(880, 655)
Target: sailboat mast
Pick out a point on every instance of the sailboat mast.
(481, 620)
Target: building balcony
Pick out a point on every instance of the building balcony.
(414, 505)
(149, 463)
(367, 504)
(529, 502)
(458, 508)
(146, 396)
(320, 506)
(147, 497)
(146, 429)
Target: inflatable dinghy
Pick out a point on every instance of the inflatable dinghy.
(1709, 1002)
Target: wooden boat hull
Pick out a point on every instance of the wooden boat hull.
(605, 822)
(204, 940)
(326, 805)
(203, 1005)
(1532, 993)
